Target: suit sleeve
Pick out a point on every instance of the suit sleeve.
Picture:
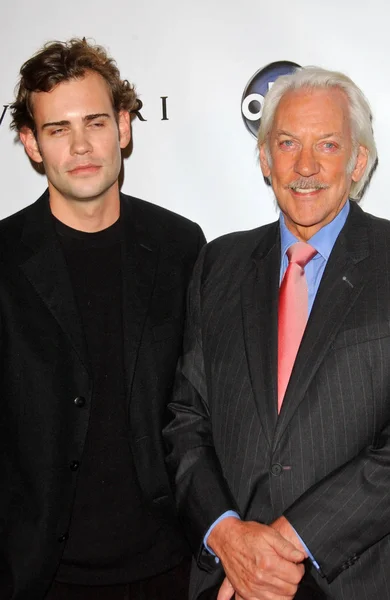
(202, 493)
(201, 238)
(348, 511)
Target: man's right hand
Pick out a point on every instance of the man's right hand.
(258, 562)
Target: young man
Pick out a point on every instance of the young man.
(92, 296)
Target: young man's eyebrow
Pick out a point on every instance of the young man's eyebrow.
(55, 124)
(96, 116)
(65, 123)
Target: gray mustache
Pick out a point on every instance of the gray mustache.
(305, 184)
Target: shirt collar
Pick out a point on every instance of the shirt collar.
(323, 241)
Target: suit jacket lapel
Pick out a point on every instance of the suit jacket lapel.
(345, 276)
(259, 296)
(46, 270)
(140, 254)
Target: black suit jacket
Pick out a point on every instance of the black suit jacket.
(324, 462)
(44, 368)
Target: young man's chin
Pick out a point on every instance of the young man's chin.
(85, 194)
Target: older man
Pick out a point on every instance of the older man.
(280, 440)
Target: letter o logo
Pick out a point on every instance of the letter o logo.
(256, 89)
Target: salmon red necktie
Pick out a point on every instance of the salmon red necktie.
(292, 313)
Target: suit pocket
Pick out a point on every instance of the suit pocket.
(360, 335)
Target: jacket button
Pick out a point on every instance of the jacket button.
(276, 469)
(79, 401)
(63, 537)
(74, 465)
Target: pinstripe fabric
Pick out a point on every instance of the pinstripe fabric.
(325, 461)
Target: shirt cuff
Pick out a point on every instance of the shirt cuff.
(228, 513)
(313, 560)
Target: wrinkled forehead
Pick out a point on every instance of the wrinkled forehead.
(318, 110)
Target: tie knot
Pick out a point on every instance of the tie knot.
(301, 253)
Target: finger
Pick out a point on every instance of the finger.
(284, 582)
(226, 591)
(263, 586)
(271, 596)
(266, 596)
(285, 549)
(284, 576)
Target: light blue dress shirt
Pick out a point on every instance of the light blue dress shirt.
(323, 241)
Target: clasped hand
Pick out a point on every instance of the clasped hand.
(261, 562)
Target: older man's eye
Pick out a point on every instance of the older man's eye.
(286, 144)
(329, 146)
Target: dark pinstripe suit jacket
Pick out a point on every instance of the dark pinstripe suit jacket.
(325, 461)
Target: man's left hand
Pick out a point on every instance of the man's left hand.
(283, 527)
(227, 592)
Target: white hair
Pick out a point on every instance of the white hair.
(359, 110)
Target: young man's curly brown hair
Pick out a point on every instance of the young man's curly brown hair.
(62, 61)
